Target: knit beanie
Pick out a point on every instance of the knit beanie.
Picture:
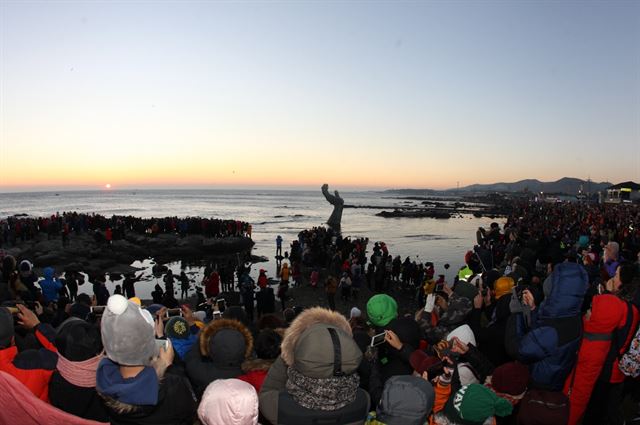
(128, 333)
(405, 400)
(422, 362)
(474, 403)
(503, 286)
(78, 340)
(229, 402)
(465, 290)
(510, 378)
(381, 309)
(177, 328)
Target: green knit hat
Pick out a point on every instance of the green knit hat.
(381, 309)
(474, 403)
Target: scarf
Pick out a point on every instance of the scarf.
(140, 390)
(322, 393)
(81, 374)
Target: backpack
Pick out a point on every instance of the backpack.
(630, 361)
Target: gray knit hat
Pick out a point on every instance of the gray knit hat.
(128, 333)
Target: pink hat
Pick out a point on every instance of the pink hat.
(229, 402)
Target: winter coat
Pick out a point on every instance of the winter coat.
(397, 361)
(176, 405)
(33, 367)
(549, 346)
(612, 321)
(255, 371)
(21, 407)
(221, 348)
(265, 301)
(78, 401)
(50, 286)
(491, 338)
(304, 349)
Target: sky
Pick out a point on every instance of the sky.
(294, 94)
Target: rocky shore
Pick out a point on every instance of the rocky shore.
(84, 253)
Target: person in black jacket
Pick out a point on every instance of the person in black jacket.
(73, 385)
(265, 301)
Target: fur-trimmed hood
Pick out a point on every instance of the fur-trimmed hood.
(253, 365)
(222, 330)
(319, 344)
(304, 321)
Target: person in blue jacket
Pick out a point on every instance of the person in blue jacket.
(50, 285)
(549, 342)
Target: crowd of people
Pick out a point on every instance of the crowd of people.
(538, 325)
(16, 229)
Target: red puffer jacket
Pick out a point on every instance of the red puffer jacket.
(611, 320)
(33, 367)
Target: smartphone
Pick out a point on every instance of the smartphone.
(162, 344)
(97, 309)
(217, 315)
(439, 287)
(173, 312)
(600, 289)
(222, 304)
(377, 339)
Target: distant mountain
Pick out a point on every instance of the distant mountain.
(566, 185)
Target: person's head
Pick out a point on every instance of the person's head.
(405, 400)
(267, 345)
(611, 251)
(474, 404)
(128, 333)
(270, 321)
(381, 309)
(78, 341)
(25, 268)
(226, 342)
(7, 330)
(319, 350)
(177, 328)
(229, 402)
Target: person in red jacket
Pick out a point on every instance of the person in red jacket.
(595, 385)
(212, 285)
(31, 367)
(267, 346)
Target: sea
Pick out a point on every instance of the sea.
(271, 213)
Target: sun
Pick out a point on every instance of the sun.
(107, 186)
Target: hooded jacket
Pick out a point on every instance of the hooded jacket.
(229, 402)
(406, 400)
(549, 346)
(609, 316)
(305, 349)
(33, 367)
(491, 338)
(50, 286)
(164, 398)
(221, 348)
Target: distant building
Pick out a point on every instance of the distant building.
(622, 193)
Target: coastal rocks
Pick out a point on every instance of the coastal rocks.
(85, 253)
(414, 213)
